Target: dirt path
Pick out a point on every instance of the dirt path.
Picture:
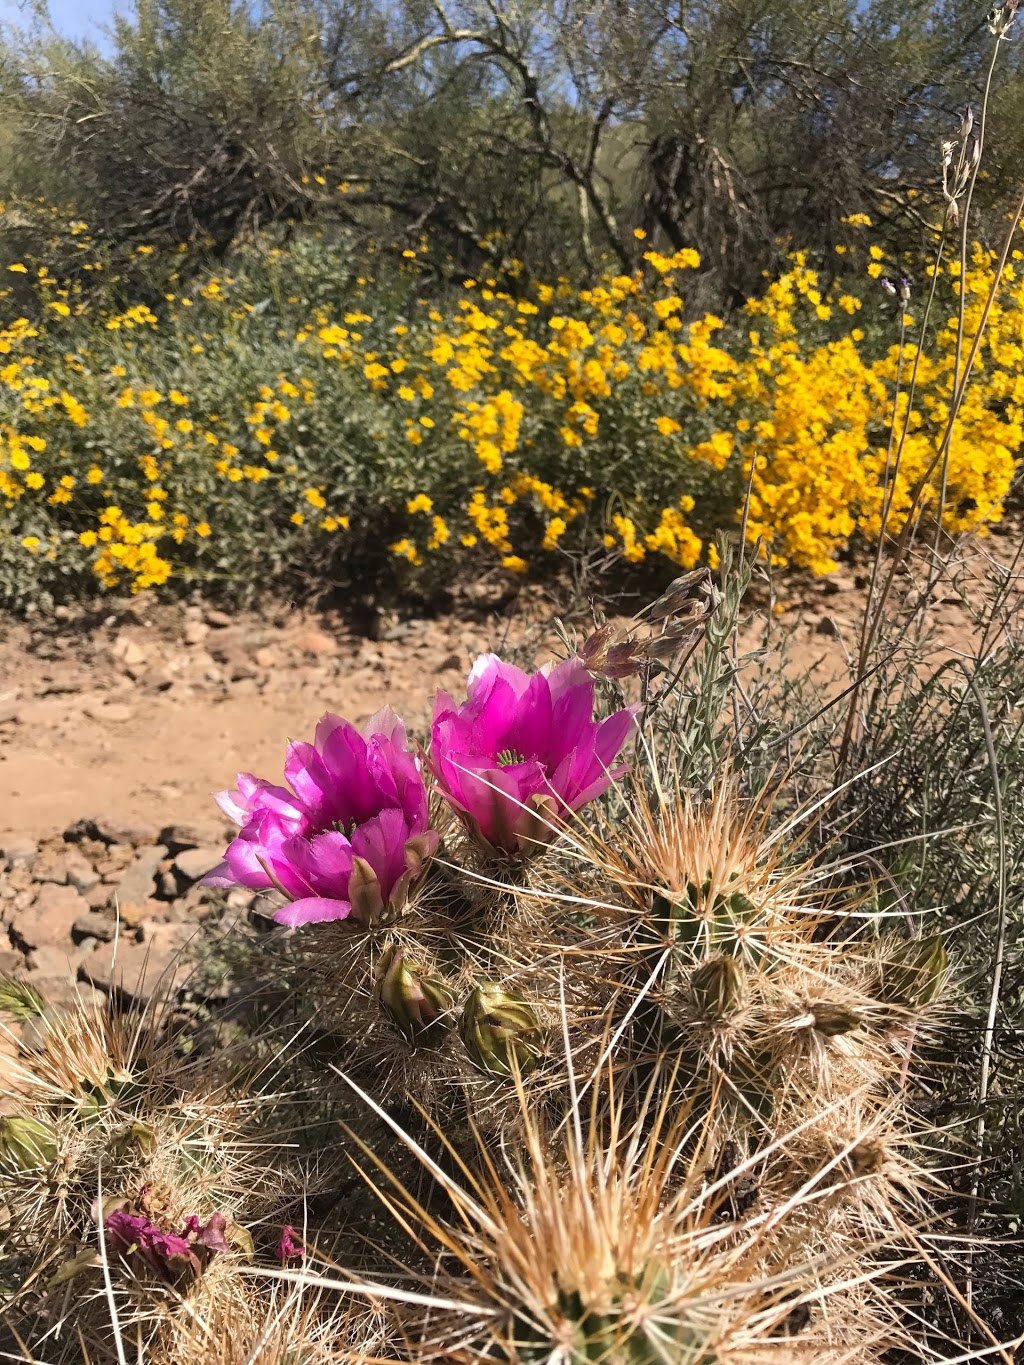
(140, 715)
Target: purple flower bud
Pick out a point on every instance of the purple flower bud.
(888, 287)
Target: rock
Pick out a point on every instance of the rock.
(51, 867)
(12, 962)
(97, 896)
(128, 651)
(139, 971)
(220, 619)
(49, 919)
(167, 938)
(245, 687)
(92, 925)
(80, 872)
(132, 915)
(241, 669)
(191, 835)
(10, 713)
(19, 852)
(137, 882)
(838, 582)
(194, 863)
(316, 642)
(265, 658)
(18, 879)
(156, 680)
(54, 959)
(79, 830)
(113, 711)
(166, 886)
(195, 632)
(110, 832)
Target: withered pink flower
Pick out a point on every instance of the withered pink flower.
(347, 837)
(289, 1248)
(523, 751)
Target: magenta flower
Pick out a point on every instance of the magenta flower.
(523, 751)
(351, 835)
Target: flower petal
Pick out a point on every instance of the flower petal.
(311, 910)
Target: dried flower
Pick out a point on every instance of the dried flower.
(351, 836)
(289, 1248)
(523, 751)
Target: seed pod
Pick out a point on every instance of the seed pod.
(501, 1031)
(26, 1144)
(415, 1004)
(833, 1020)
(717, 987)
(914, 975)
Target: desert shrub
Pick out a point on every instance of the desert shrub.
(303, 420)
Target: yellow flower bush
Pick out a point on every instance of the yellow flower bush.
(239, 432)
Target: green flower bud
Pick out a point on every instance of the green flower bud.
(913, 976)
(415, 1004)
(501, 1031)
(717, 987)
(26, 1144)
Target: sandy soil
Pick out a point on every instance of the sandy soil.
(139, 714)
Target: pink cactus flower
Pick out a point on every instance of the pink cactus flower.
(350, 836)
(523, 751)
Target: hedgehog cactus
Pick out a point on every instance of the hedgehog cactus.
(614, 1091)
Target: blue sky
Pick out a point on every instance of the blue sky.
(76, 18)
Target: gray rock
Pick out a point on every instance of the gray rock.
(138, 881)
(194, 863)
(20, 852)
(94, 925)
(11, 962)
(50, 917)
(139, 971)
(51, 868)
(182, 836)
(80, 872)
(97, 896)
(54, 959)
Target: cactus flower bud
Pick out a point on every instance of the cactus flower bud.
(501, 1031)
(913, 976)
(832, 1020)
(416, 1004)
(717, 987)
(26, 1144)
